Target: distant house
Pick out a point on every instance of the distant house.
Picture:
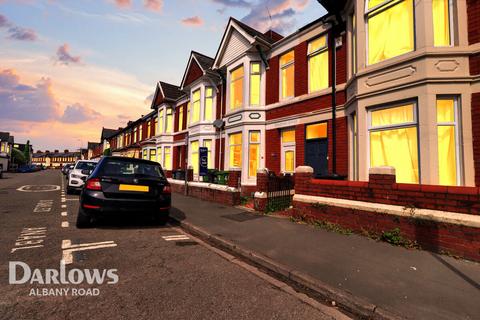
(6, 146)
(55, 159)
(21, 147)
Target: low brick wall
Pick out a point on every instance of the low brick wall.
(209, 192)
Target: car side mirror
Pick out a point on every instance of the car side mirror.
(86, 172)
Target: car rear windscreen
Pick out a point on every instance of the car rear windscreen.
(82, 165)
(128, 168)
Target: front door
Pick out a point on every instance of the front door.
(316, 156)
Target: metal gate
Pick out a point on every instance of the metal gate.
(279, 194)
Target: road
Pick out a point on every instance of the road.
(162, 272)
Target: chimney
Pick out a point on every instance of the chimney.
(56, 151)
(47, 151)
(66, 150)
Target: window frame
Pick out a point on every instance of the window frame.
(280, 69)
(259, 74)
(197, 152)
(257, 143)
(168, 120)
(379, 8)
(451, 26)
(180, 118)
(231, 145)
(164, 165)
(285, 147)
(313, 54)
(205, 104)
(231, 81)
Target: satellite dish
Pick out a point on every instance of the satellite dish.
(218, 123)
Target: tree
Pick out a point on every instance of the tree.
(18, 157)
(107, 152)
(26, 152)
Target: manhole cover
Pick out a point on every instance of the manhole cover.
(242, 216)
(39, 188)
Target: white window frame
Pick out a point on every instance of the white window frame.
(168, 129)
(241, 145)
(313, 54)
(259, 143)
(205, 104)
(280, 68)
(451, 25)
(251, 73)
(231, 80)
(288, 146)
(163, 157)
(199, 107)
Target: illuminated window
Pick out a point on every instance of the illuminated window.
(135, 135)
(169, 121)
(159, 156)
(155, 128)
(208, 104)
(160, 122)
(194, 156)
(318, 64)
(253, 153)
(167, 158)
(255, 83)
(355, 146)
(180, 119)
(236, 88)
(393, 141)
(287, 74)
(145, 153)
(235, 145)
(196, 106)
(288, 150)
(317, 131)
(141, 132)
(208, 144)
(390, 29)
(149, 129)
(441, 23)
(354, 44)
(188, 113)
(447, 141)
(153, 155)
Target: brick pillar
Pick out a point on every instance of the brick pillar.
(303, 175)
(381, 181)
(234, 177)
(261, 195)
(190, 173)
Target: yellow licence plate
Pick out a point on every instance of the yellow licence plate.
(130, 187)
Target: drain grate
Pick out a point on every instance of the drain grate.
(186, 243)
(242, 216)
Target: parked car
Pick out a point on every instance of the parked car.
(28, 168)
(124, 185)
(78, 175)
(66, 168)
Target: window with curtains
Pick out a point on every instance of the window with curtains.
(159, 156)
(196, 106)
(394, 141)
(167, 158)
(208, 104)
(318, 64)
(288, 150)
(255, 83)
(354, 43)
(235, 148)
(153, 155)
(155, 122)
(355, 146)
(194, 156)
(208, 144)
(441, 23)
(149, 130)
(145, 151)
(169, 121)
(390, 29)
(160, 121)
(448, 153)
(287, 75)
(180, 119)
(236, 88)
(188, 113)
(135, 135)
(141, 132)
(253, 153)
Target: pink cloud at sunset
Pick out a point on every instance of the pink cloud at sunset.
(193, 21)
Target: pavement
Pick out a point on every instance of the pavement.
(163, 272)
(369, 278)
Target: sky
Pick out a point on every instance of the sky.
(69, 68)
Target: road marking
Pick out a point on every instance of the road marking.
(39, 188)
(63, 200)
(65, 224)
(68, 248)
(43, 206)
(64, 205)
(175, 237)
(72, 199)
(30, 238)
(64, 213)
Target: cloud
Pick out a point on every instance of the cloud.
(193, 21)
(123, 3)
(23, 102)
(234, 3)
(154, 5)
(64, 56)
(149, 99)
(78, 113)
(17, 32)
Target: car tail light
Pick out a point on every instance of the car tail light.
(88, 206)
(167, 189)
(93, 184)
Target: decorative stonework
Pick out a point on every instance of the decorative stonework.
(447, 65)
(391, 75)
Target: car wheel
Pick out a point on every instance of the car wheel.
(83, 220)
(69, 190)
(162, 218)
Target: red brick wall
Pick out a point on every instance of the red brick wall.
(475, 64)
(272, 86)
(342, 62)
(223, 197)
(476, 135)
(301, 69)
(219, 153)
(193, 73)
(300, 145)
(272, 150)
(473, 13)
(179, 137)
(342, 146)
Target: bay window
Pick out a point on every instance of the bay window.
(188, 113)
(236, 88)
(448, 155)
(159, 156)
(167, 158)
(145, 154)
(194, 156)
(160, 122)
(441, 23)
(287, 75)
(394, 141)
(180, 119)
(155, 122)
(288, 150)
(255, 83)
(208, 144)
(235, 147)
(169, 121)
(196, 106)
(253, 153)
(153, 155)
(318, 64)
(208, 104)
(390, 29)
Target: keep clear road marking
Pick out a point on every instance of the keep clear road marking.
(65, 224)
(68, 248)
(64, 213)
(175, 237)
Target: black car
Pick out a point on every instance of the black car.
(120, 185)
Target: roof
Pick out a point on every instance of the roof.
(107, 133)
(91, 145)
(267, 36)
(204, 61)
(170, 91)
(333, 6)
(5, 136)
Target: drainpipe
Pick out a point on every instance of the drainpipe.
(334, 98)
(220, 157)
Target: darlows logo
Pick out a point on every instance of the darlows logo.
(21, 273)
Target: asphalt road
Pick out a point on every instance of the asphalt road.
(162, 272)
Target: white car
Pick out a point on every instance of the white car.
(78, 175)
